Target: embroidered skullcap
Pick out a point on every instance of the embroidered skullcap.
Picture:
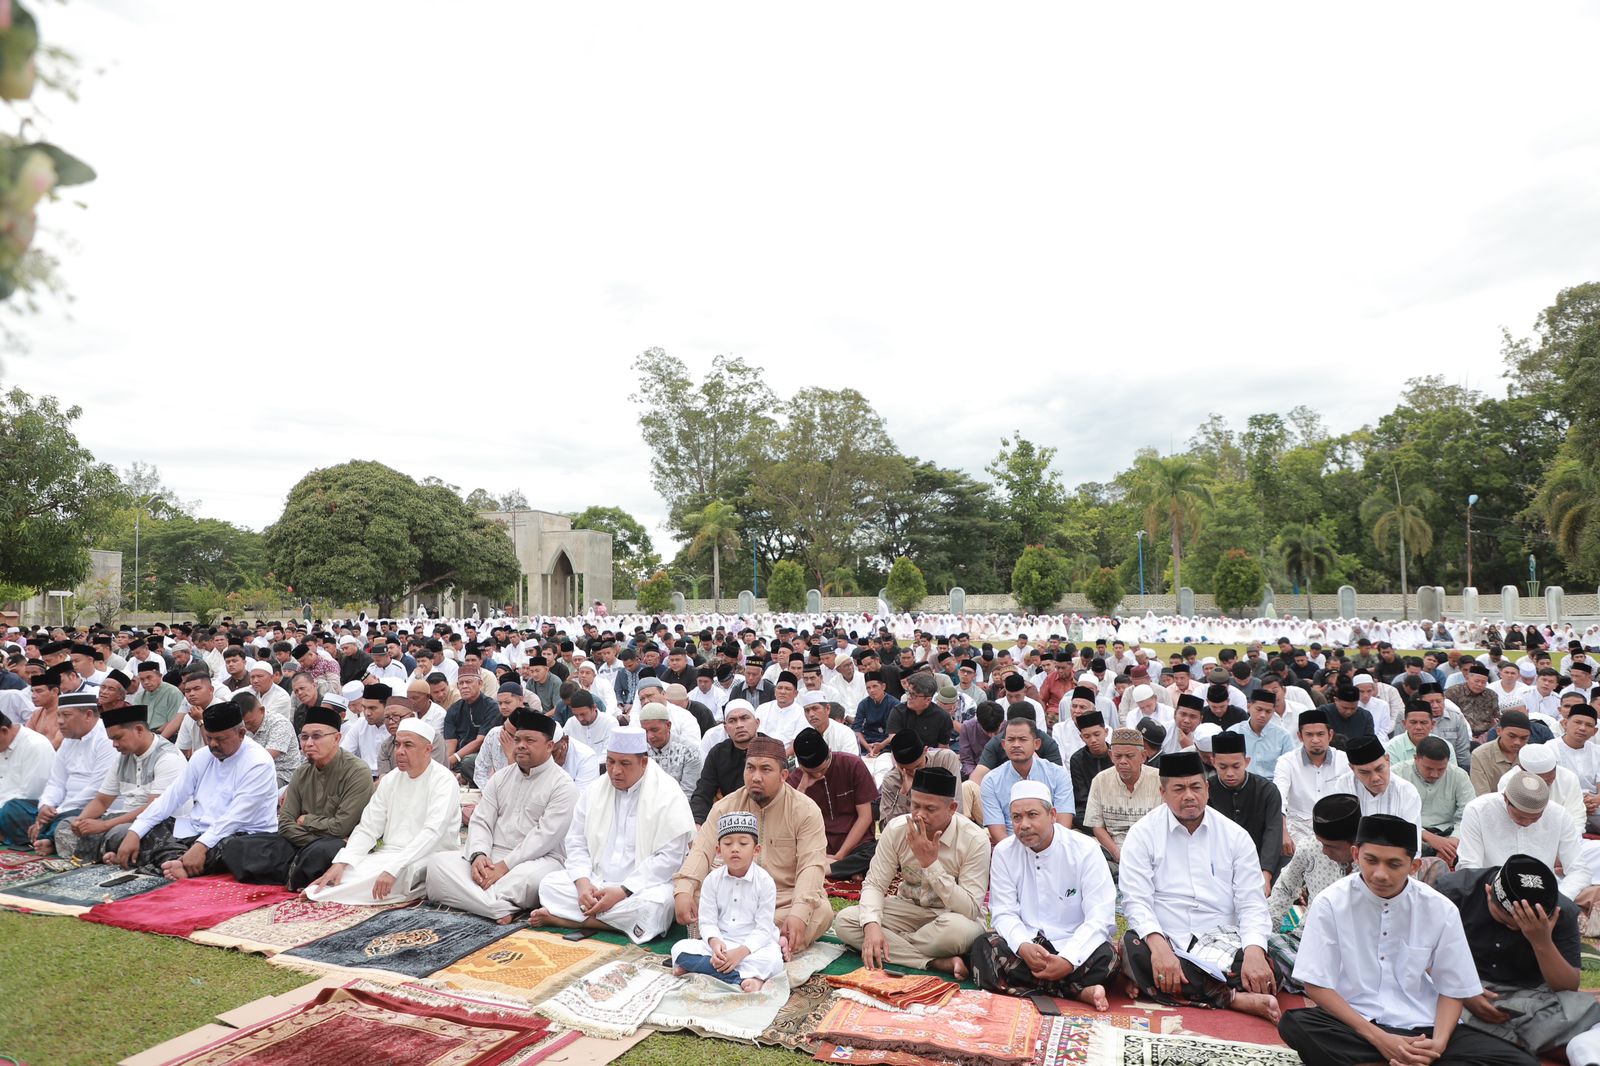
(1315, 716)
(763, 746)
(324, 715)
(738, 822)
(333, 699)
(1182, 764)
(1032, 790)
(1389, 831)
(934, 781)
(376, 691)
(1537, 758)
(1226, 742)
(1336, 817)
(1204, 734)
(1528, 793)
(1145, 692)
(220, 716)
(80, 699)
(416, 686)
(1363, 750)
(417, 726)
(1089, 720)
(810, 750)
(627, 740)
(1191, 701)
(655, 712)
(808, 699)
(125, 715)
(906, 747)
(1525, 878)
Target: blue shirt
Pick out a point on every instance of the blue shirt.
(996, 789)
(1264, 749)
(872, 719)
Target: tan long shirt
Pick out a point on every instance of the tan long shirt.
(332, 799)
(794, 849)
(957, 882)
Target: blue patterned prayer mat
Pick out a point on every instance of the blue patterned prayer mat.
(411, 942)
(77, 890)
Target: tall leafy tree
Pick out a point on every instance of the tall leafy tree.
(1173, 492)
(1307, 556)
(716, 526)
(1032, 497)
(1400, 519)
(55, 497)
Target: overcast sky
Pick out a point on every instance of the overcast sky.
(436, 235)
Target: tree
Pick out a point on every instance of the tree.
(905, 586)
(701, 435)
(655, 593)
(1104, 590)
(841, 581)
(106, 599)
(484, 500)
(1392, 518)
(205, 602)
(182, 550)
(1031, 490)
(362, 532)
(1238, 581)
(633, 556)
(1565, 505)
(1039, 578)
(786, 586)
(944, 519)
(1172, 491)
(716, 526)
(54, 498)
(1306, 556)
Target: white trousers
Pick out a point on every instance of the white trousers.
(449, 881)
(355, 888)
(642, 916)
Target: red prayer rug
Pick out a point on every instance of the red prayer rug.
(899, 992)
(11, 859)
(184, 906)
(850, 889)
(350, 1025)
(972, 1029)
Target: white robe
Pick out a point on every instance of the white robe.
(740, 912)
(414, 817)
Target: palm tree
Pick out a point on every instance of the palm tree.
(1402, 519)
(1564, 502)
(841, 581)
(1173, 490)
(1307, 556)
(716, 526)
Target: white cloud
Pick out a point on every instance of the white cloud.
(437, 235)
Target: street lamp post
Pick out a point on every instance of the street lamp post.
(138, 509)
(1472, 499)
(1140, 535)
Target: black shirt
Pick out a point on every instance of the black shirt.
(1257, 806)
(1503, 954)
(1231, 717)
(1357, 725)
(933, 726)
(1084, 766)
(464, 722)
(721, 773)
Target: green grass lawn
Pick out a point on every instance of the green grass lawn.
(80, 994)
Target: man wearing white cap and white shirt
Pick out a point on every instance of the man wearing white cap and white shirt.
(628, 837)
(272, 696)
(604, 692)
(1141, 703)
(1575, 749)
(1375, 705)
(1565, 792)
(817, 707)
(1520, 821)
(581, 762)
(415, 811)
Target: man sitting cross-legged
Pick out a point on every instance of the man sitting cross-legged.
(146, 766)
(1053, 907)
(517, 835)
(1191, 883)
(942, 860)
(628, 837)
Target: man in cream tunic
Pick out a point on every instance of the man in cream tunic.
(629, 836)
(517, 835)
(415, 811)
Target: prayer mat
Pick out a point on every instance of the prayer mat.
(402, 944)
(875, 1057)
(973, 1028)
(28, 871)
(75, 891)
(1590, 953)
(716, 1008)
(1125, 1048)
(613, 1001)
(11, 859)
(347, 1025)
(281, 926)
(528, 965)
(179, 908)
(898, 993)
(850, 889)
(808, 1004)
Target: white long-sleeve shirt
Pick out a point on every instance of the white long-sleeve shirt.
(25, 765)
(1064, 892)
(1400, 799)
(79, 768)
(739, 911)
(1390, 959)
(238, 794)
(620, 863)
(1489, 837)
(523, 816)
(413, 816)
(1183, 884)
(1301, 784)
(1584, 761)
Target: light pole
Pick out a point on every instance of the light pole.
(138, 579)
(1472, 499)
(1140, 535)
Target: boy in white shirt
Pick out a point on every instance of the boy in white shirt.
(738, 901)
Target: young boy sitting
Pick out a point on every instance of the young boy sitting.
(739, 937)
(1385, 959)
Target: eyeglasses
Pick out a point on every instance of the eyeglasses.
(312, 738)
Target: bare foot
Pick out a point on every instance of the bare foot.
(174, 870)
(751, 984)
(678, 971)
(1258, 1003)
(507, 920)
(538, 916)
(1095, 996)
(953, 965)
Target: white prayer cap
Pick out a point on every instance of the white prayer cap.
(1209, 660)
(333, 699)
(589, 666)
(348, 639)
(352, 690)
(627, 740)
(1536, 758)
(1203, 734)
(1526, 668)
(262, 665)
(417, 726)
(655, 712)
(559, 736)
(1142, 693)
(1361, 679)
(1087, 678)
(737, 705)
(1032, 790)
(809, 698)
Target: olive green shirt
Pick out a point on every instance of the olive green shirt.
(331, 798)
(162, 705)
